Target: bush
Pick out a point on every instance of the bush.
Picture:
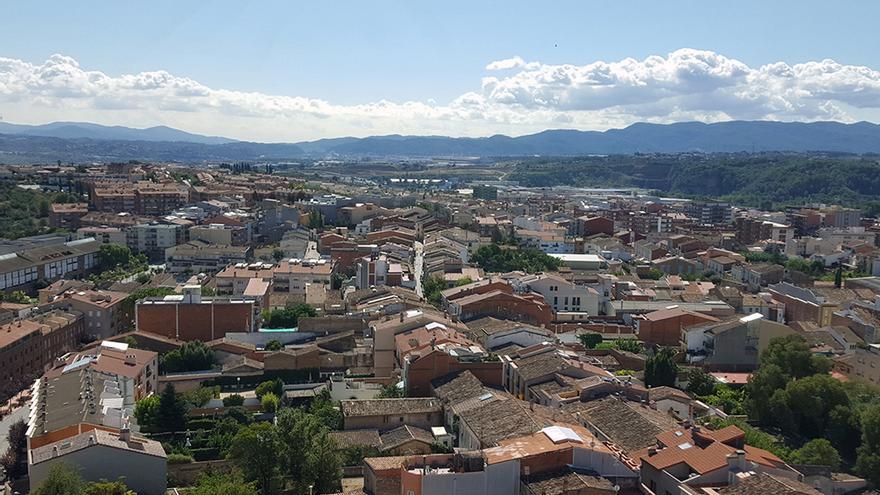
(179, 459)
(269, 403)
(191, 356)
(205, 454)
(275, 387)
(201, 424)
(233, 400)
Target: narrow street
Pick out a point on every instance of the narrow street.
(417, 266)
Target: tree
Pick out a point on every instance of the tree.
(296, 428)
(463, 281)
(660, 369)
(171, 414)
(17, 297)
(432, 289)
(287, 317)
(803, 409)
(269, 403)
(838, 277)
(223, 434)
(730, 401)
(654, 274)
(323, 410)
(208, 291)
(149, 292)
(256, 450)
(111, 256)
(761, 386)
(700, 383)
(62, 480)
(105, 487)
(223, 484)
(819, 452)
(494, 258)
(275, 387)
(146, 410)
(324, 463)
(191, 356)
(868, 455)
(793, 356)
(277, 254)
(13, 460)
(274, 345)
(233, 400)
(391, 392)
(590, 339)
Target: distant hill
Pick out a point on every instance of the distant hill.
(79, 130)
(75, 141)
(862, 137)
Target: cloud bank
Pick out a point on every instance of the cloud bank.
(515, 97)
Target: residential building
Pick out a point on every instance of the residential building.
(388, 414)
(106, 313)
(751, 230)
(731, 345)
(67, 215)
(28, 346)
(21, 269)
(296, 276)
(664, 327)
(153, 239)
(688, 459)
(203, 257)
(189, 316)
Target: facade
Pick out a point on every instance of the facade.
(202, 257)
(388, 414)
(152, 239)
(295, 276)
(28, 346)
(67, 215)
(74, 259)
(191, 317)
(751, 230)
(106, 313)
(664, 327)
(99, 454)
(563, 295)
(732, 345)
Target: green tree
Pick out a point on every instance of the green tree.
(700, 383)
(274, 345)
(277, 254)
(223, 434)
(256, 450)
(146, 411)
(654, 274)
(432, 289)
(14, 459)
(208, 291)
(275, 387)
(296, 429)
(269, 403)
(61, 480)
(233, 400)
(793, 356)
(17, 297)
(150, 292)
(287, 317)
(590, 339)
(818, 451)
(223, 484)
(191, 356)
(463, 281)
(811, 401)
(868, 455)
(494, 258)
(730, 401)
(323, 410)
(105, 487)
(113, 255)
(761, 386)
(324, 463)
(171, 415)
(391, 392)
(660, 369)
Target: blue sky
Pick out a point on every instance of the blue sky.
(349, 54)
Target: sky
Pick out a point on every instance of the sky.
(290, 71)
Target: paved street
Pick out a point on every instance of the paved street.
(6, 422)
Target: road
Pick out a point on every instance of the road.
(6, 422)
(417, 267)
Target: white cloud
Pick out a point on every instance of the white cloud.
(521, 97)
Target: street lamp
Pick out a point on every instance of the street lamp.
(310, 489)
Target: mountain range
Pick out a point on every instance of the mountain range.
(76, 141)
